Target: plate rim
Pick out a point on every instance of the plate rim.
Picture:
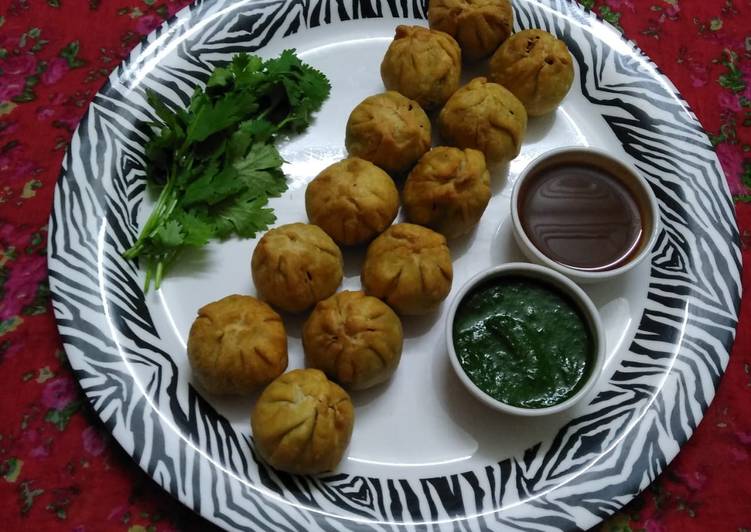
(187, 15)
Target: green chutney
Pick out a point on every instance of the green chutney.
(523, 342)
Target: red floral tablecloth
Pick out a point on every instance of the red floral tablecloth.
(61, 471)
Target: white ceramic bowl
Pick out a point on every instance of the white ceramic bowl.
(627, 175)
(556, 281)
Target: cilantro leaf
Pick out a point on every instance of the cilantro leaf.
(221, 77)
(211, 188)
(170, 234)
(246, 216)
(198, 231)
(260, 157)
(213, 117)
(215, 162)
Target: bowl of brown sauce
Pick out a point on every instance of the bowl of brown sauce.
(584, 213)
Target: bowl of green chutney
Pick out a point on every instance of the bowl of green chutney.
(525, 340)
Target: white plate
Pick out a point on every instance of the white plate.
(423, 451)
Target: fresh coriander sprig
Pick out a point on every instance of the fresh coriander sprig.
(216, 163)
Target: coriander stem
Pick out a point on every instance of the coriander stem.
(147, 281)
(158, 212)
(152, 222)
(159, 273)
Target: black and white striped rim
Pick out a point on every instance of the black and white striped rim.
(594, 465)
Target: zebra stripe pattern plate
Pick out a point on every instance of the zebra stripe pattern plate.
(424, 456)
